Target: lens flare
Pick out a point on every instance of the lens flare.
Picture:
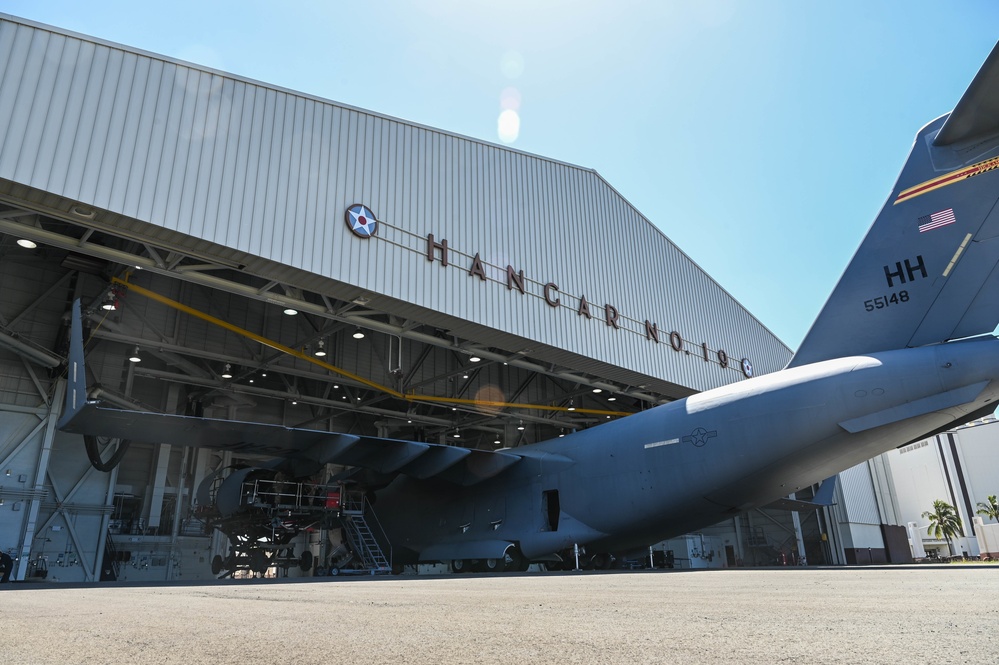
(510, 99)
(512, 64)
(508, 126)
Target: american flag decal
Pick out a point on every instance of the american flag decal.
(936, 220)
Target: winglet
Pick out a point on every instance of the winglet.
(76, 390)
(824, 495)
(823, 499)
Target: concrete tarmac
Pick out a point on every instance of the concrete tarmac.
(943, 614)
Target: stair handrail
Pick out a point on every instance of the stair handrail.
(367, 507)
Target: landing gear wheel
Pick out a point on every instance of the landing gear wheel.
(515, 561)
(305, 561)
(258, 561)
(460, 566)
(492, 565)
(602, 561)
(218, 564)
(334, 571)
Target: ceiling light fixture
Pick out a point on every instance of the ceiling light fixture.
(320, 351)
(27, 244)
(597, 390)
(134, 358)
(612, 399)
(475, 359)
(227, 372)
(571, 407)
(358, 334)
(290, 311)
(521, 426)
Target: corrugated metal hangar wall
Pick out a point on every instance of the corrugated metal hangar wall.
(230, 199)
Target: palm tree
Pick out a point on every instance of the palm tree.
(944, 522)
(989, 508)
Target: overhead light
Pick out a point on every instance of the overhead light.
(251, 380)
(263, 375)
(27, 244)
(109, 305)
(135, 356)
(290, 311)
(335, 386)
(294, 402)
(521, 426)
(344, 397)
(612, 399)
(320, 351)
(571, 407)
(597, 390)
(227, 372)
(475, 359)
(497, 442)
(457, 434)
(409, 422)
(358, 334)
(464, 376)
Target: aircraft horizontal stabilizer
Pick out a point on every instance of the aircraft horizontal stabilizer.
(309, 449)
(977, 114)
(919, 407)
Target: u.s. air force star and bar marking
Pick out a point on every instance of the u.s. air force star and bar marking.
(698, 438)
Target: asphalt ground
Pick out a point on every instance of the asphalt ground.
(940, 614)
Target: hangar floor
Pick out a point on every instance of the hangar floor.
(922, 614)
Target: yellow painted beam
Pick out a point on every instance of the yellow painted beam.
(277, 346)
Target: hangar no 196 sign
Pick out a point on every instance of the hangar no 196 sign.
(362, 223)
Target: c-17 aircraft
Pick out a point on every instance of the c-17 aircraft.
(902, 349)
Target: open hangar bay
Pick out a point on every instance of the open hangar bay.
(924, 614)
(252, 253)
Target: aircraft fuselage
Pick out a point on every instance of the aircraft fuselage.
(689, 464)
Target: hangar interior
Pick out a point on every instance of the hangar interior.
(123, 193)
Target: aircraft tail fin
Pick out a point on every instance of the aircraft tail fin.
(928, 269)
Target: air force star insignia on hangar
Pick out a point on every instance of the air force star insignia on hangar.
(361, 220)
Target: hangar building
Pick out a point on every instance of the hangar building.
(224, 234)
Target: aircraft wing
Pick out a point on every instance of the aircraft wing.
(304, 448)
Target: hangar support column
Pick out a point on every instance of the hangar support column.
(55, 407)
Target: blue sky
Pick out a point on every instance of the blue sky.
(762, 137)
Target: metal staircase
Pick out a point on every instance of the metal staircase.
(355, 515)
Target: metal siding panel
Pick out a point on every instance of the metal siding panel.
(269, 173)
